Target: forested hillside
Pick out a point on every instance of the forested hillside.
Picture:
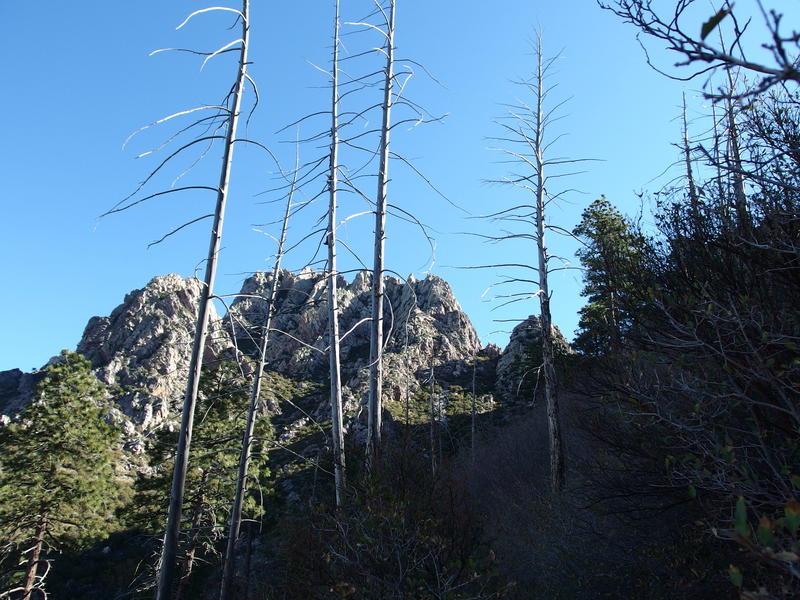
(339, 430)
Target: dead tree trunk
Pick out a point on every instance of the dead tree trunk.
(191, 551)
(255, 393)
(735, 165)
(724, 212)
(337, 427)
(557, 471)
(375, 403)
(526, 146)
(171, 537)
(433, 423)
(473, 409)
(694, 201)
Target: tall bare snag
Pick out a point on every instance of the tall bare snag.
(376, 335)
(171, 537)
(252, 409)
(337, 426)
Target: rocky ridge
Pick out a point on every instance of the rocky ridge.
(141, 351)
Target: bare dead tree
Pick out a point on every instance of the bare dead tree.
(344, 171)
(735, 160)
(375, 401)
(392, 84)
(557, 470)
(223, 119)
(526, 145)
(716, 160)
(357, 146)
(172, 534)
(432, 418)
(247, 436)
(332, 275)
(694, 201)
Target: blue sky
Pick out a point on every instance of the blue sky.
(78, 80)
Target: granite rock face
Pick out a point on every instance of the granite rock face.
(423, 315)
(424, 325)
(142, 350)
(515, 366)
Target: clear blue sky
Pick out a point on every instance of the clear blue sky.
(78, 80)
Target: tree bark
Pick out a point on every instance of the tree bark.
(433, 424)
(557, 470)
(33, 561)
(171, 537)
(337, 427)
(375, 402)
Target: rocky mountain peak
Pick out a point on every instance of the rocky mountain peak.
(142, 350)
(423, 321)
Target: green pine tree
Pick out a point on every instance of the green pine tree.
(57, 476)
(613, 260)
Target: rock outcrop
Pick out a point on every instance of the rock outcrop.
(419, 313)
(142, 350)
(517, 366)
(424, 325)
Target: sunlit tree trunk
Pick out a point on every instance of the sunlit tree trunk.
(557, 470)
(375, 402)
(171, 537)
(337, 428)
